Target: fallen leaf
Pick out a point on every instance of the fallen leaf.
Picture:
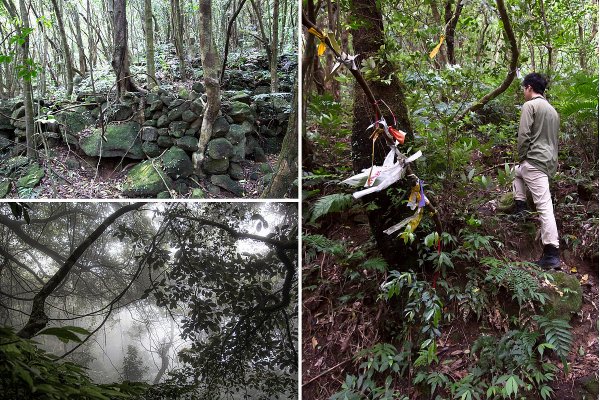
(573, 270)
(315, 343)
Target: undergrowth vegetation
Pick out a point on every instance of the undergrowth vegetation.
(466, 314)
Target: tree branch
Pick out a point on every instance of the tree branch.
(38, 318)
(512, 69)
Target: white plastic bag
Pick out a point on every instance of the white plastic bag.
(378, 178)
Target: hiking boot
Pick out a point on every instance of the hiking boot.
(550, 259)
(519, 211)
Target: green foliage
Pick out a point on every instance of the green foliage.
(578, 97)
(31, 373)
(376, 263)
(558, 336)
(323, 244)
(66, 333)
(423, 305)
(336, 202)
(508, 367)
(523, 283)
(381, 361)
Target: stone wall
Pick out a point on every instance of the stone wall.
(162, 128)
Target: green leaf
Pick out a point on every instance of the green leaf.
(65, 334)
(332, 203)
(511, 386)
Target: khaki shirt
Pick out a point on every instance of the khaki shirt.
(538, 135)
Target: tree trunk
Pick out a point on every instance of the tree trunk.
(368, 38)
(228, 36)
(274, 48)
(150, 68)
(79, 39)
(38, 318)
(27, 90)
(451, 21)
(178, 36)
(120, 59)
(548, 44)
(208, 55)
(287, 166)
(65, 45)
(264, 39)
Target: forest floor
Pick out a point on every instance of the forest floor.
(73, 176)
(342, 315)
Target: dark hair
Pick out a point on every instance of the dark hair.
(537, 82)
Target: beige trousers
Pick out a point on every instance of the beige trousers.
(529, 177)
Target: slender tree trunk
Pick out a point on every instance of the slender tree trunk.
(208, 54)
(178, 36)
(286, 171)
(150, 68)
(44, 55)
(274, 48)
(284, 21)
(548, 44)
(261, 27)
(79, 39)
(27, 89)
(451, 22)
(228, 36)
(120, 59)
(65, 47)
(308, 57)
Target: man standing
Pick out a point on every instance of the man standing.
(538, 160)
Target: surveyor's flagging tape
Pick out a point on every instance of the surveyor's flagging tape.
(380, 177)
(416, 199)
(413, 221)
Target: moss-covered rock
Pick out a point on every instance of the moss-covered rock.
(122, 140)
(565, 297)
(240, 112)
(220, 127)
(219, 148)
(4, 187)
(146, 180)
(212, 166)
(12, 164)
(225, 182)
(177, 163)
(151, 149)
(74, 121)
(32, 177)
(187, 143)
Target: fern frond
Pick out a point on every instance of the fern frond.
(336, 202)
(558, 334)
(324, 245)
